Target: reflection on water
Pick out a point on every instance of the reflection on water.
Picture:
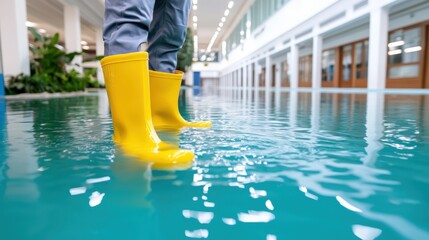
(275, 165)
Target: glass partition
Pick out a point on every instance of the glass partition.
(328, 65)
(404, 53)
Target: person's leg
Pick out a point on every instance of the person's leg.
(126, 75)
(166, 36)
(126, 25)
(167, 33)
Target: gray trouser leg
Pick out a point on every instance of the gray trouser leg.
(126, 25)
(167, 33)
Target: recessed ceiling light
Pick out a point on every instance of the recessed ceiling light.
(86, 47)
(42, 31)
(195, 7)
(84, 43)
(226, 13)
(230, 4)
(223, 19)
(195, 2)
(195, 18)
(30, 24)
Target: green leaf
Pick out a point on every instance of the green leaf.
(55, 39)
(37, 36)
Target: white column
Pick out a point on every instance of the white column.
(268, 72)
(293, 64)
(14, 37)
(377, 60)
(317, 61)
(99, 51)
(73, 34)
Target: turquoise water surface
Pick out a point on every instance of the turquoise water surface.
(275, 165)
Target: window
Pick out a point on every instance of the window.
(347, 63)
(328, 65)
(361, 59)
(404, 50)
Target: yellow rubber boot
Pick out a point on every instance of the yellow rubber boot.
(164, 90)
(127, 83)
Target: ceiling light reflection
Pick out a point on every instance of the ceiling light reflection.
(396, 44)
(347, 205)
(413, 49)
(257, 193)
(77, 191)
(394, 52)
(364, 232)
(229, 221)
(271, 237)
(202, 217)
(256, 217)
(209, 204)
(200, 233)
(269, 205)
(97, 180)
(96, 198)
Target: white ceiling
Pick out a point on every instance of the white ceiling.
(49, 15)
(209, 14)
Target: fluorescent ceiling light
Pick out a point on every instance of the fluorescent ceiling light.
(230, 4)
(30, 24)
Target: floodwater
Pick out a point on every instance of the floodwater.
(275, 165)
